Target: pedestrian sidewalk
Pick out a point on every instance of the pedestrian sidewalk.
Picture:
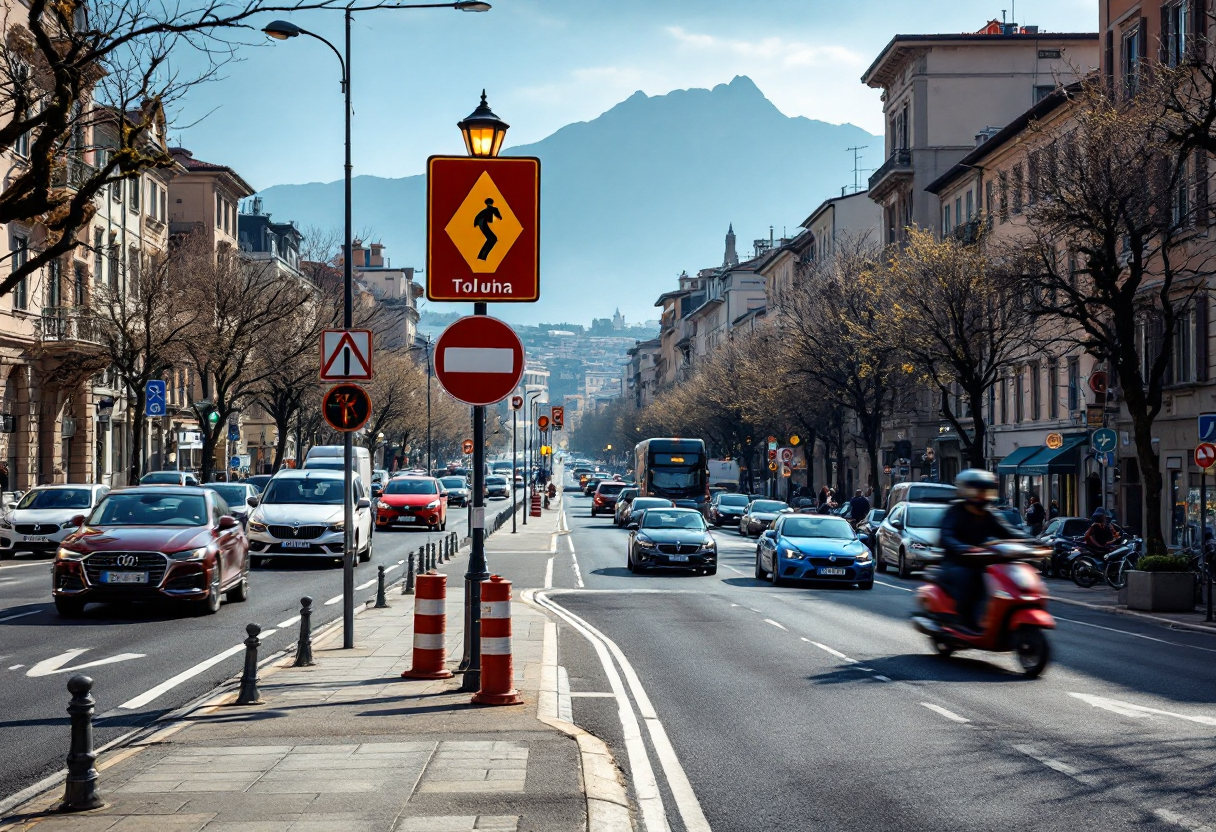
(349, 746)
(1102, 597)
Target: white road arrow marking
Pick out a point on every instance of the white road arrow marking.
(46, 667)
(1137, 711)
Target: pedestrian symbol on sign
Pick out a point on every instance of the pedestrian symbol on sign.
(487, 216)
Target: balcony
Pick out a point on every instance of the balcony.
(73, 172)
(68, 328)
(970, 232)
(898, 168)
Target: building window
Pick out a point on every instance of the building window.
(1042, 91)
(1175, 37)
(133, 270)
(1036, 392)
(958, 211)
(1181, 199)
(1184, 347)
(991, 403)
(135, 189)
(946, 226)
(989, 198)
(1074, 385)
(1004, 402)
(99, 243)
(52, 283)
(1003, 178)
(970, 205)
(79, 286)
(22, 145)
(113, 253)
(219, 211)
(1019, 392)
(1133, 50)
(21, 292)
(1017, 189)
(1053, 388)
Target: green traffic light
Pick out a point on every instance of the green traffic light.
(213, 417)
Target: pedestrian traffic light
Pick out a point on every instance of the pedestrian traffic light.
(207, 412)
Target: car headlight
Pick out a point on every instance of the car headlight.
(433, 504)
(67, 554)
(864, 557)
(255, 526)
(383, 506)
(340, 526)
(190, 554)
(645, 542)
(789, 552)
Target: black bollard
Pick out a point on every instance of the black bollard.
(250, 695)
(407, 588)
(430, 555)
(381, 602)
(80, 791)
(304, 645)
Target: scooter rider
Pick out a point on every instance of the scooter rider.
(968, 524)
(1103, 534)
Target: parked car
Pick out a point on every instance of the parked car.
(154, 543)
(519, 481)
(258, 481)
(727, 508)
(169, 478)
(241, 498)
(44, 516)
(920, 492)
(909, 535)
(671, 538)
(759, 514)
(603, 499)
(639, 504)
(621, 510)
(300, 514)
(869, 527)
(458, 491)
(415, 501)
(813, 547)
(497, 488)
(331, 458)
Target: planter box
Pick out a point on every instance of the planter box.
(1160, 591)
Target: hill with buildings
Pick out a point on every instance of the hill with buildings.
(633, 197)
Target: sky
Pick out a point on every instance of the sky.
(275, 115)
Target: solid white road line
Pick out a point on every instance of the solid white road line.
(775, 624)
(366, 584)
(1137, 711)
(20, 565)
(19, 615)
(578, 574)
(736, 571)
(1135, 635)
(333, 600)
(185, 675)
(1182, 820)
(549, 574)
(951, 715)
(295, 619)
(586, 694)
(564, 708)
(1065, 769)
(896, 586)
(882, 678)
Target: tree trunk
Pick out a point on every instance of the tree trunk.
(138, 425)
(979, 430)
(1150, 475)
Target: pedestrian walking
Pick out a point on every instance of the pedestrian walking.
(859, 507)
(1053, 510)
(1035, 515)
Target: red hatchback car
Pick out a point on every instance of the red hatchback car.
(418, 501)
(154, 542)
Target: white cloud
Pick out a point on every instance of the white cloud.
(788, 53)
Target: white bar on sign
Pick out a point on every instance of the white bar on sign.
(478, 360)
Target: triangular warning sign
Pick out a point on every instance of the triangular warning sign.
(346, 360)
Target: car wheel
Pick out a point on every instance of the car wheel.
(211, 605)
(904, 571)
(240, 592)
(760, 573)
(69, 607)
(366, 554)
(773, 576)
(629, 562)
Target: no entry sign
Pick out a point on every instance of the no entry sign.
(1205, 455)
(479, 360)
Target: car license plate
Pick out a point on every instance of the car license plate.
(831, 570)
(29, 538)
(295, 544)
(124, 577)
(406, 519)
(678, 558)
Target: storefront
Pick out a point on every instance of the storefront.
(1052, 474)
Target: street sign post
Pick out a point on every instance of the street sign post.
(483, 229)
(154, 398)
(1106, 458)
(346, 355)
(346, 407)
(479, 360)
(1104, 441)
(1205, 455)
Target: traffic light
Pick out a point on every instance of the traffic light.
(207, 412)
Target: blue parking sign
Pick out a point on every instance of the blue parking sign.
(1207, 427)
(154, 398)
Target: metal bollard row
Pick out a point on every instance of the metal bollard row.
(80, 789)
(381, 601)
(407, 588)
(304, 645)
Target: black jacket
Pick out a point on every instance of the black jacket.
(859, 507)
(963, 529)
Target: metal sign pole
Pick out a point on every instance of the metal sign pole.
(348, 508)
(514, 450)
(1203, 535)
(478, 570)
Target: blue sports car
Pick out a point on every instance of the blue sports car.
(814, 547)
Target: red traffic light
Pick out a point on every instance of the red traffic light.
(772, 454)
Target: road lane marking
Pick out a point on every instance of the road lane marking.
(883, 678)
(589, 694)
(20, 565)
(832, 652)
(16, 667)
(578, 574)
(366, 584)
(169, 684)
(1137, 711)
(1055, 765)
(733, 569)
(549, 574)
(775, 624)
(333, 600)
(1135, 635)
(951, 715)
(19, 615)
(896, 586)
(396, 565)
(1182, 820)
(293, 620)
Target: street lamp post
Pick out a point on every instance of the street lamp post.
(284, 30)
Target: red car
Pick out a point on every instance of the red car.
(146, 543)
(414, 500)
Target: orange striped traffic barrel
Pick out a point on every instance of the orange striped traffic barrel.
(497, 671)
(430, 625)
(535, 508)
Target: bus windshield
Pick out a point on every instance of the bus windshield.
(672, 468)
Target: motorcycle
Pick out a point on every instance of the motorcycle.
(1015, 617)
(1088, 568)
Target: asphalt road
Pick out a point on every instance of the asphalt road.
(133, 651)
(813, 707)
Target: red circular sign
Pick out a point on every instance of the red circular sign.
(517, 402)
(467, 446)
(543, 423)
(479, 360)
(1205, 455)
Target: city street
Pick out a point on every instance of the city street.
(145, 659)
(805, 707)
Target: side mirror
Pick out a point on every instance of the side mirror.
(377, 490)
(897, 524)
(228, 522)
(363, 503)
(633, 527)
(864, 538)
(77, 521)
(771, 534)
(252, 502)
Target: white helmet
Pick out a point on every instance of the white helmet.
(976, 485)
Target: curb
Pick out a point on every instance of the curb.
(1178, 625)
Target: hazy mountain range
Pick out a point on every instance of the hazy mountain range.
(631, 198)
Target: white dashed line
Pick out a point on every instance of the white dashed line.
(951, 715)
(333, 600)
(881, 678)
(366, 584)
(1182, 820)
(1055, 765)
(775, 624)
(293, 620)
(896, 586)
(20, 615)
(1137, 711)
(16, 667)
(832, 652)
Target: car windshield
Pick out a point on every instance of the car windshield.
(643, 503)
(161, 478)
(611, 488)
(451, 482)
(877, 514)
(305, 490)
(234, 495)
(832, 528)
(675, 519)
(135, 509)
(407, 486)
(1075, 528)
(56, 498)
(732, 500)
(767, 506)
(496, 480)
(926, 517)
(258, 482)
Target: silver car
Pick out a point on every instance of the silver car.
(759, 514)
(909, 537)
(300, 514)
(43, 517)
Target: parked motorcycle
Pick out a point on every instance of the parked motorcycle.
(1015, 617)
(1089, 569)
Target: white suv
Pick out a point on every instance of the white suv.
(300, 515)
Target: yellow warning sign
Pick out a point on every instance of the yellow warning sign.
(484, 228)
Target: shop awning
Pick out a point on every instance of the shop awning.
(1009, 465)
(1063, 460)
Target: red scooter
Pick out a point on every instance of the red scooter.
(1015, 616)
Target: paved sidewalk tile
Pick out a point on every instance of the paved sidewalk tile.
(459, 823)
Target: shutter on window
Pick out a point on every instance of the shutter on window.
(1110, 58)
(1163, 38)
(1201, 188)
(1201, 337)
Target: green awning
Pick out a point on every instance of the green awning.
(1009, 465)
(1063, 460)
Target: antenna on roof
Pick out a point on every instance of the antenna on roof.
(856, 151)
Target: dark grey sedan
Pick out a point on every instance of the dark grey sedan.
(671, 538)
(759, 514)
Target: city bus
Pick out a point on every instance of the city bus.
(677, 469)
